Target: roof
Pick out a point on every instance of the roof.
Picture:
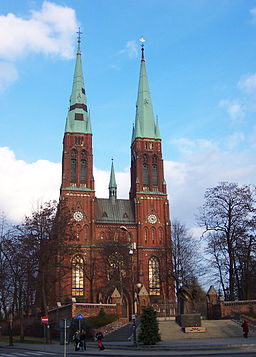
(121, 211)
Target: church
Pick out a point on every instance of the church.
(123, 245)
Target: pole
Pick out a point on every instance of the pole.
(10, 332)
(65, 337)
(133, 306)
(44, 336)
(79, 325)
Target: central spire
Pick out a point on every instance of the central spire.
(145, 126)
(78, 120)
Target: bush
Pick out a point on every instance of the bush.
(100, 320)
(149, 329)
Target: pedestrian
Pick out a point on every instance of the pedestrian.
(76, 339)
(99, 337)
(82, 340)
(245, 328)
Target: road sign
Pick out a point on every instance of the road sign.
(44, 320)
(79, 317)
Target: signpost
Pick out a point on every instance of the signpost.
(44, 320)
(79, 317)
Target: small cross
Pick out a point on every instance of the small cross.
(79, 33)
(142, 41)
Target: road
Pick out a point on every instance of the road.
(7, 352)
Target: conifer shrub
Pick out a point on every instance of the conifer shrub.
(149, 329)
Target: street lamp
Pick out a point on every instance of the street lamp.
(131, 251)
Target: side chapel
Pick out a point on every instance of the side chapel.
(140, 224)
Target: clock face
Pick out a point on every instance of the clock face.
(78, 216)
(152, 218)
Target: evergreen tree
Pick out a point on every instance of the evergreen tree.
(149, 329)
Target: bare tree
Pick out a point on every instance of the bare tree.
(185, 254)
(228, 216)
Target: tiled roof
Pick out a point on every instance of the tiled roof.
(120, 211)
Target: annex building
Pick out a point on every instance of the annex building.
(123, 245)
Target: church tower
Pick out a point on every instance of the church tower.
(148, 191)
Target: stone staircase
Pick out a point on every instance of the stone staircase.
(114, 328)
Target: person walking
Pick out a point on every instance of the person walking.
(99, 337)
(76, 339)
(245, 328)
(82, 340)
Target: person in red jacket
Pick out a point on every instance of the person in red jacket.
(245, 328)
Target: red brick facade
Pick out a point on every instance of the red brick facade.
(142, 220)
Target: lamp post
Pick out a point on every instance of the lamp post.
(131, 251)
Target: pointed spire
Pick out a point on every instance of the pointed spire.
(157, 131)
(77, 119)
(112, 183)
(144, 121)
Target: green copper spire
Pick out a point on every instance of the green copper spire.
(78, 120)
(112, 183)
(145, 126)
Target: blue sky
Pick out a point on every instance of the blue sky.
(201, 65)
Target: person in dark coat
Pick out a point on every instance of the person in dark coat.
(82, 340)
(245, 328)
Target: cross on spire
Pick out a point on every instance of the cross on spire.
(142, 48)
(79, 33)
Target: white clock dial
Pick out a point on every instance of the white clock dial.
(78, 216)
(152, 218)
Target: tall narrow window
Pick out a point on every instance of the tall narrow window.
(145, 170)
(83, 167)
(160, 235)
(154, 170)
(77, 276)
(77, 232)
(153, 235)
(146, 235)
(73, 165)
(85, 233)
(154, 276)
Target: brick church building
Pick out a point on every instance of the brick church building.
(123, 246)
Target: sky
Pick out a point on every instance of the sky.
(201, 66)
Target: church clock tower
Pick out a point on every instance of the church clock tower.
(148, 191)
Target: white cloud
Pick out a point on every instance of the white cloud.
(8, 74)
(49, 31)
(248, 83)
(253, 13)
(234, 140)
(131, 49)
(233, 108)
(187, 146)
(23, 185)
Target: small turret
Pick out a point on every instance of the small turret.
(112, 185)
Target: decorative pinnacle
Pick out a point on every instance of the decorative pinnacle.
(142, 48)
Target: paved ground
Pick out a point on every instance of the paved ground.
(214, 329)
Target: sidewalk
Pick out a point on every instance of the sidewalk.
(163, 348)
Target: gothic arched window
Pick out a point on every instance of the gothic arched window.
(77, 232)
(77, 276)
(83, 167)
(146, 235)
(145, 170)
(154, 276)
(154, 170)
(73, 165)
(153, 235)
(160, 235)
